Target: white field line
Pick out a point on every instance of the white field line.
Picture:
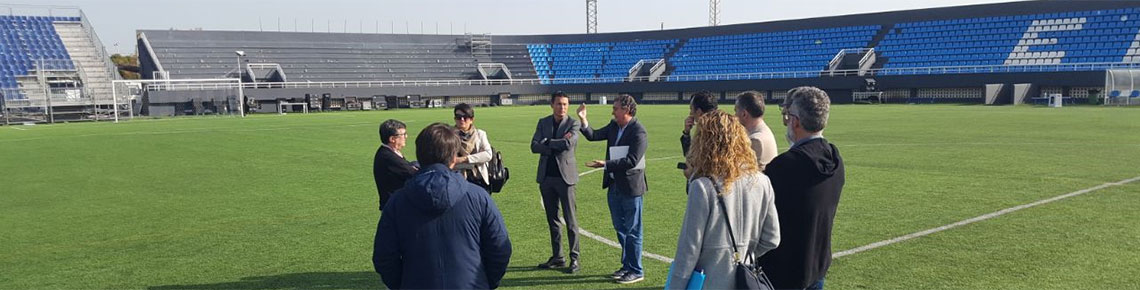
(18, 128)
(609, 242)
(883, 243)
(987, 216)
(986, 144)
(188, 131)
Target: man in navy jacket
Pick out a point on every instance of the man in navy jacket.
(440, 231)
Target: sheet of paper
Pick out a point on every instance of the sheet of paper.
(619, 152)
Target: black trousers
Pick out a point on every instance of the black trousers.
(556, 192)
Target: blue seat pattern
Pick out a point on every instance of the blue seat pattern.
(24, 40)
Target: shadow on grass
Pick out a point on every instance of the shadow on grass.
(526, 269)
(370, 280)
(312, 280)
(535, 282)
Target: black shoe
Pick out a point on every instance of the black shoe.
(553, 263)
(630, 278)
(619, 274)
(574, 267)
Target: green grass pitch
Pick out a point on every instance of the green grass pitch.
(275, 201)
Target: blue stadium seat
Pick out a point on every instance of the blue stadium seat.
(24, 41)
(1040, 40)
(590, 62)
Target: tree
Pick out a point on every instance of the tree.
(128, 66)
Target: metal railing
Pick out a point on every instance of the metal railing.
(66, 11)
(637, 66)
(868, 60)
(99, 47)
(839, 56)
(175, 85)
(660, 63)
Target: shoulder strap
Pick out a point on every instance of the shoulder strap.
(724, 210)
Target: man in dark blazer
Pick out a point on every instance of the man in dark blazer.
(389, 168)
(554, 140)
(624, 179)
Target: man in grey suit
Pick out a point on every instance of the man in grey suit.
(624, 179)
(554, 140)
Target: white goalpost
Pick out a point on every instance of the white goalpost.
(127, 92)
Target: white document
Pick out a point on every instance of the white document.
(619, 152)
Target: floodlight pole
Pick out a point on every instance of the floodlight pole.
(714, 12)
(241, 91)
(591, 16)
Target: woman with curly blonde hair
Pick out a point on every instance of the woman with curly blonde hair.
(725, 188)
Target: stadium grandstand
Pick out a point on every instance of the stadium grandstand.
(1007, 53)
(53, 67)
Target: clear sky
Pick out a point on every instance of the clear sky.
(116, 20)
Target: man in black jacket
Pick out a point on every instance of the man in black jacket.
(699, 103)
(389, 168)
(625, 178)
(807, 180)
(440, 231)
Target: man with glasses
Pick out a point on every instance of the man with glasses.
(625, 179)
(441, 231)
(807, 180)
(389, 168)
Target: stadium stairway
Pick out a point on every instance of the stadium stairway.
(882, 34)
(31, 88)
(84, 52)
(669, 56)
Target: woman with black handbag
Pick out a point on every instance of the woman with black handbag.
(731, 214)
(476, 151)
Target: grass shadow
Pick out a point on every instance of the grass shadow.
(526, 269)
(311, 280)
(534, 282)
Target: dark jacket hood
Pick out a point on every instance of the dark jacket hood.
(826, 161)
(435, 189)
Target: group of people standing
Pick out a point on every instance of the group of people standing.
(746, 202)
(439, 229)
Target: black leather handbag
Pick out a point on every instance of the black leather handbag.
(497, 173)
(749, 275)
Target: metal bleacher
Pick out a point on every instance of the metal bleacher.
(1064, 41)
(1090, 40)
(801, 50)
(319, 61)
(593, 62)
(1026, 43)
(24, 42)
(516, 57)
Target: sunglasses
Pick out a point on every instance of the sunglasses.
(460, 117)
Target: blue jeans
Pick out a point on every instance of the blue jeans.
(818, 285)
(625, 212)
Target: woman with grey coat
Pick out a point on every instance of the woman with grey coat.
(721, 164)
